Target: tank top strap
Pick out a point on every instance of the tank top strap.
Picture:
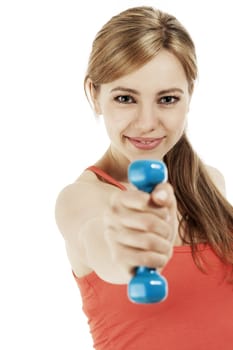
(106, 177)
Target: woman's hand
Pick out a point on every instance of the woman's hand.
(140, 228)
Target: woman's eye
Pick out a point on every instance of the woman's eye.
(168, 100)
(126, 99)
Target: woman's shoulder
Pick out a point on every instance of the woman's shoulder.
(85, 188)
(217, 178)
(87, 191)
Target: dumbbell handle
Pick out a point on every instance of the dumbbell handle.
(147, 286)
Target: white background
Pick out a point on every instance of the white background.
(48, 135)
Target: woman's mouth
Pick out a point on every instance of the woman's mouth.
(145, 143)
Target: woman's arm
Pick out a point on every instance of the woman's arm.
(111, 231)
(79, 215)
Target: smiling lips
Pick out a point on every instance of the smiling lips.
(145, 143)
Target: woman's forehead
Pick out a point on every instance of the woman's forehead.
(162, 72)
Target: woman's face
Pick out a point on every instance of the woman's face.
(145, 112)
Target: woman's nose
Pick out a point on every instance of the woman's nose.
(147, 118)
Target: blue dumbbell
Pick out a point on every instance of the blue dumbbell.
(147, 286)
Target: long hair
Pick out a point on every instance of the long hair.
(206, 216)
(124, 44)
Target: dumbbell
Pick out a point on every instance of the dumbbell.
(147, 285)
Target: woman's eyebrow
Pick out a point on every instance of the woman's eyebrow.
(121, 88)
(162, 92)
(169, 91)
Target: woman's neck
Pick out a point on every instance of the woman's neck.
(115, 165)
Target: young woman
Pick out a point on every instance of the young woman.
(140, 78)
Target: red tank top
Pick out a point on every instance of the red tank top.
(197, 314)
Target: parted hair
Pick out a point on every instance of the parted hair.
(127, 42)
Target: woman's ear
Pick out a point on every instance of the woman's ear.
(93, 93)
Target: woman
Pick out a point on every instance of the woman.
(140, 77)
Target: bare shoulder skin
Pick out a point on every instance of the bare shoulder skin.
(217, 178)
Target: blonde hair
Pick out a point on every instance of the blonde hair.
(124, 44)
(133, 38)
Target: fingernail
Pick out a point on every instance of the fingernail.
(161, 195)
